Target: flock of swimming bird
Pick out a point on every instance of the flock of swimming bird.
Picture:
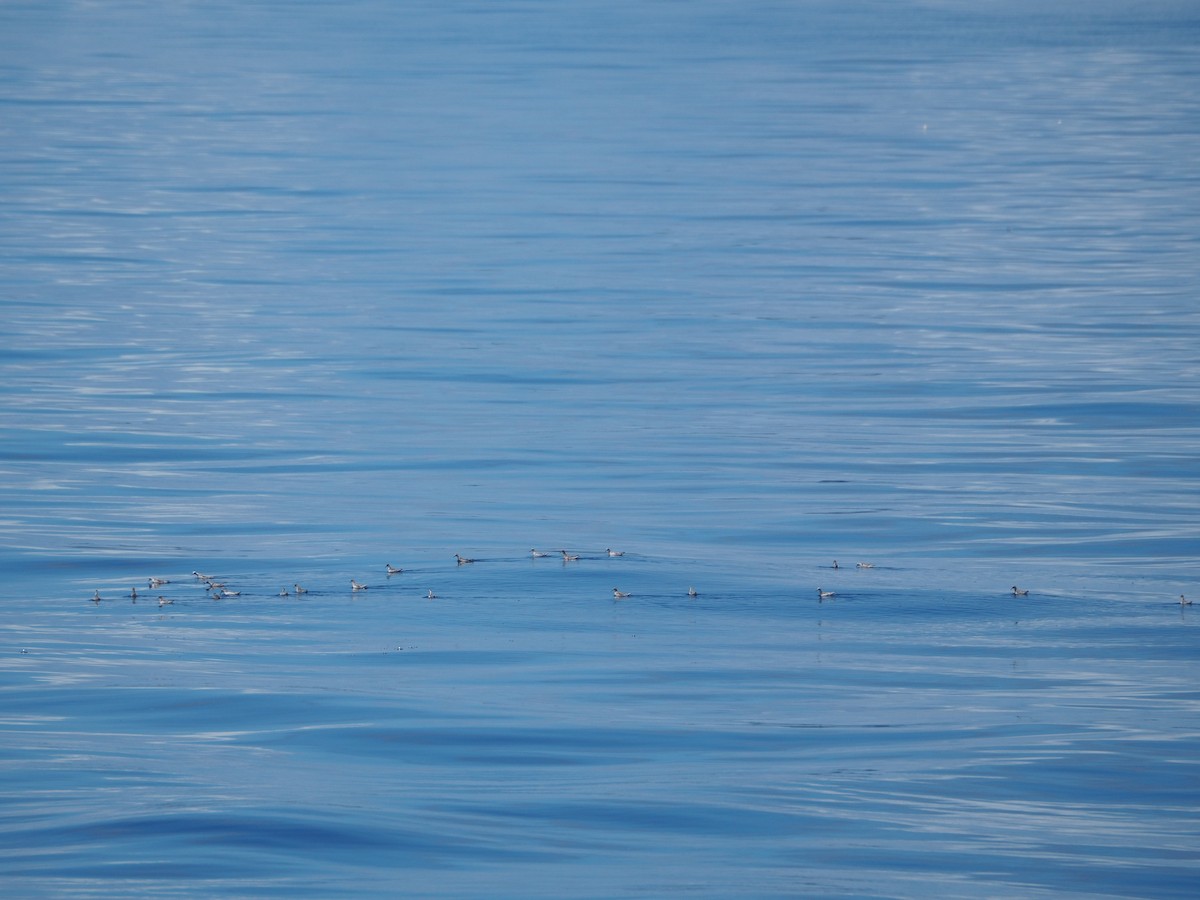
(220, 591)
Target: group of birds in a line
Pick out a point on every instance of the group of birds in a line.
(220, 591)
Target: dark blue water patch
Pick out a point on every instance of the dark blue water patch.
(239, 847)
(657, 817)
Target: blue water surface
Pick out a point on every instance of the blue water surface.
(289, 292)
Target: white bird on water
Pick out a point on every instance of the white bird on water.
(300, 590)
(392, 570)
(612, 552)
(619, 594)
(824, 595)
(692, 592)
(462, 560)
(538, 554)
(431, 596)
(866, 565)
(283, 592)
(568, 557)
(1184, 602)
(163, 601)
(355, 586)
(1017, 592)
(158, 582)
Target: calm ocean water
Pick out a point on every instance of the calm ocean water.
(292, 291)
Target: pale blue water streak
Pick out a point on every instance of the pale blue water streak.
(289, 291)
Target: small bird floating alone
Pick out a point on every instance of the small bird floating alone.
(692, 592)
(1184, 602)
(568, 557)
(619, 594)
(612, 552)
(824, 595)
(355, 586)
(392, 570)
(462, 560)
(1017, 592)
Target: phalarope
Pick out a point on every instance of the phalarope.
(537, 554)
(392, 570)
(1184, 602)
(201, 576)
(612, 552)
(824, 595)
(692, 592)
(835, 565)
(355, 586)
(865, 565)
(619, 594)
(568, 557)
(283, 592)
(133, 594)
(158, 582)
(1017, 592)
(225, 593)
(163, 601)
(96, 598)
(462, 560)
(431, 596)
(300, 590)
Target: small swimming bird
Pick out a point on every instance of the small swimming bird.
(619, 594)
(96, 598)
(225, 593)
(1183, 602)
(355, 586)
(692, 592)
(568, 557)
(432, 596)
(392, 570)
(835, 565)
(300, 590)
(133, 594)
(612, 552)
(200, 576)
(462, 560)
(866, 565)
(825, 594)
(283, 592)
(158, 582)
(163, 601)
(538, 554)
(216, 595)
(1017, 592)
(214, 585)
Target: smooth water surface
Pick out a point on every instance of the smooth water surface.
(291, 291)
